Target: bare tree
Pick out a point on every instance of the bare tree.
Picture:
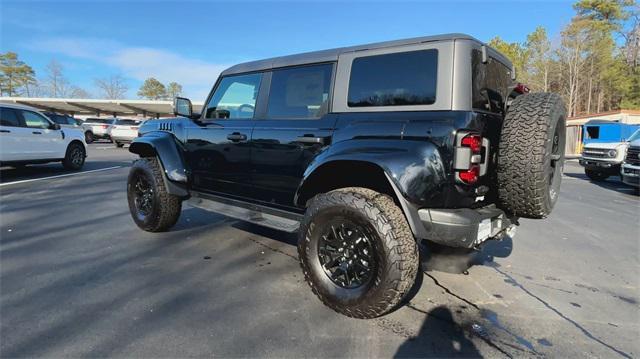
(57, 84)
(112, 87)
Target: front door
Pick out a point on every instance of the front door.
(218, 144)
(294, 129)
(45, 142)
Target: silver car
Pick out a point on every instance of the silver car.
(99, 127)
(124, 131)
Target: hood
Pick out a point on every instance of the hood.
(605, 145)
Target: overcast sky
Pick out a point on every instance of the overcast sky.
(191, 42)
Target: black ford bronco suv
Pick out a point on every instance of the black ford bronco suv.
(368, 152)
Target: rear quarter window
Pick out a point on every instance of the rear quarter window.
(397, 79)
(490, 82)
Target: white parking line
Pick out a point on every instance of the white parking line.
(58, 176)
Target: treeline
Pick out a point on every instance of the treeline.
(594, 63)
(19, 79)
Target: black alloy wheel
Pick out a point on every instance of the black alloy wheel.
(346, 254)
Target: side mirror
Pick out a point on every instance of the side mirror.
(55, 126)
(182, 107)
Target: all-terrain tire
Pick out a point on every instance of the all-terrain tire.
(164, 210)
(531, 155)
(596, 175)
(395, 251)
(75, 156)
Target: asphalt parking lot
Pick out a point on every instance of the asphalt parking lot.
(78, 278)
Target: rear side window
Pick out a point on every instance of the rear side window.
(490, 82)
(9, 117)
(301, 92)
(398, 79)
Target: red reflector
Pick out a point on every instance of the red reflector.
(472, 141)
(471, 175)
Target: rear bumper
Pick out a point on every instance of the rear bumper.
(465, 227)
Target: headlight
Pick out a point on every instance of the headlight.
(612, 153)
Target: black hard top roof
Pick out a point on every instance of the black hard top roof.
(332, 54)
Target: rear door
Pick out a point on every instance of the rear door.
(14, 136)
(294, 128)
(218, 149)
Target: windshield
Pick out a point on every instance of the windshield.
(635, 136)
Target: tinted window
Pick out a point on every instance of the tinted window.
(97, 120)
(9, 117)
(35, 120)
(400, 79)
(127, 122)
(235, 97)
(301, 92)
(490, 83)
(60, 119)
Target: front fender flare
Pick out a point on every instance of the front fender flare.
(166, 148)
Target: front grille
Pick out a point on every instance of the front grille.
(595, 152)
(633, 156)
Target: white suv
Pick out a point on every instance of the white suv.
(28, 136)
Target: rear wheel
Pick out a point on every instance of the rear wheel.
(119, 144)
(596, 175)
(152, 208)
(357, 252)
(74, 157)
(531, 155)
(88, 137)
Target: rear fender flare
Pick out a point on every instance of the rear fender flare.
(415, 170)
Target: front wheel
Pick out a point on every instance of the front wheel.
(74, 157)
(596, 175)
(357, 252)
(152, 208)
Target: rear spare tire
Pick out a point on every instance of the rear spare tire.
(531, 155)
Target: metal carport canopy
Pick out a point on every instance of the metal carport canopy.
(100, 107)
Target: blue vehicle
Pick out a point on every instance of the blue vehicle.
(605, 144)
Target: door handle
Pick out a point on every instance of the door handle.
(235, 137)
(36, 132)
(311, 140)
(5, 131)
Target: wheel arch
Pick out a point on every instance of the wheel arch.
(358, 173)
(165, 147)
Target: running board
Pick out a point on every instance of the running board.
(245, 211)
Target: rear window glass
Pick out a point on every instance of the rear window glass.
(490, 82)
(400, 79)
(9, 117)
(97, 120)
(127, 122)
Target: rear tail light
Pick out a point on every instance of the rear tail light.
(470, 157)
(474, 142)
(471, 175)
(521, 88)
(105, 126)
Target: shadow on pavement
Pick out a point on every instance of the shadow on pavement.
(10, 174)
(459, 260)
(439, 336)
(613, 183)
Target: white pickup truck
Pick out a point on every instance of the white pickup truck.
(27, 136)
